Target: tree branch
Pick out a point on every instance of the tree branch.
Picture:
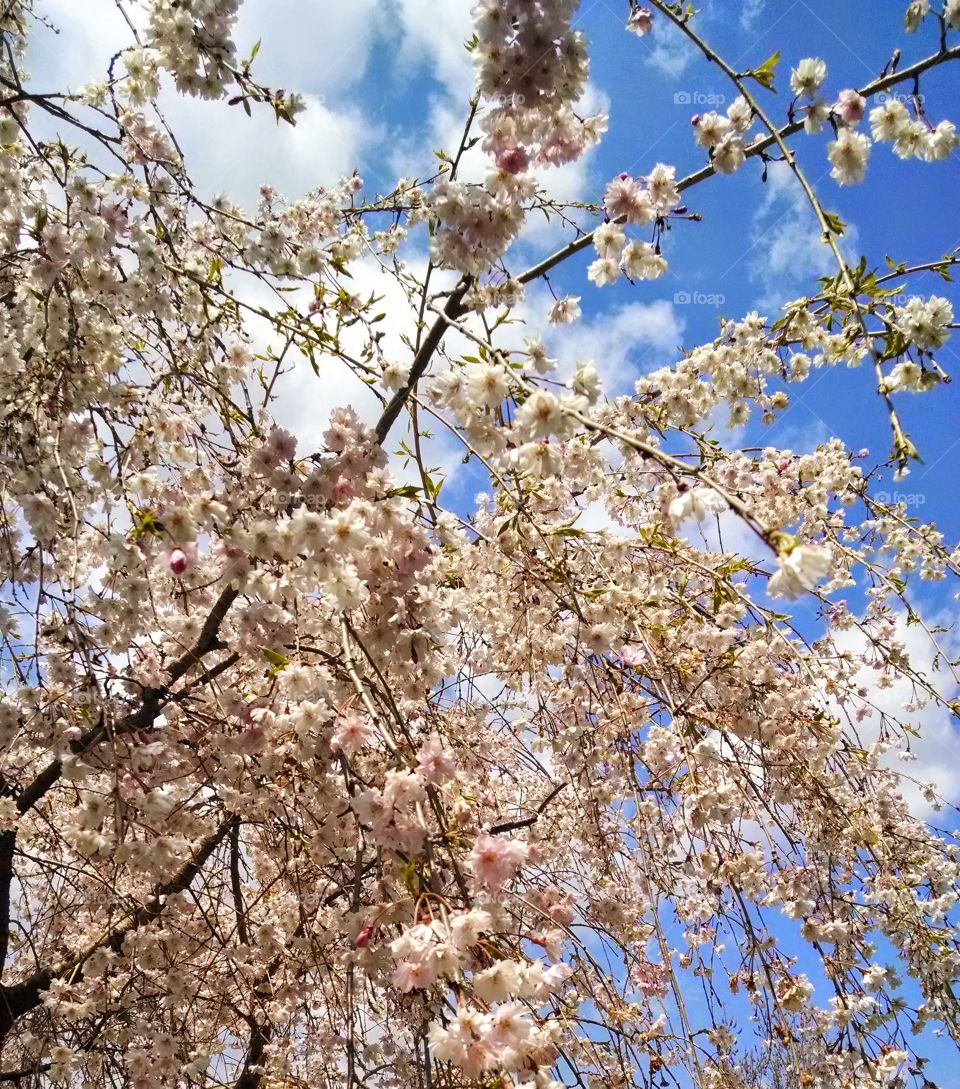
(453, 310)
(154, 701)
(756, 148)
(25, 996)
(527, 822)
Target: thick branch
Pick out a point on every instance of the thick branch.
(252, 1075)
(23, 997)
(154, 700)
(8, 842)
(452, 311)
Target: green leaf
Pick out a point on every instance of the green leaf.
(764, 74)
(408, 875)
(275, 658)
(145, 524)
(834, 222)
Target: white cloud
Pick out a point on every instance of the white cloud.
(750, 12)
(670, 53)
(304, 399)
(246, 152)
(728, 532)
(937, 746)
(320, 48)
(620, 341)
(74, 44)
(226, 151)
(435, 34)
(786, 245)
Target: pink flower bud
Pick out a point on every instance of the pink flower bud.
(514, 160)
(850, 107)
(178, 561)
(362, 940)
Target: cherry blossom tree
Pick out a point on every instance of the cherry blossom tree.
(308, 777)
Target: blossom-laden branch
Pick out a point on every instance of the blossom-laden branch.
(310, 775)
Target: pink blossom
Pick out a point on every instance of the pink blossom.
(850, 107)
(495, 859)
(436, 764)
(350, 736)
(514, 160)
(640, 21)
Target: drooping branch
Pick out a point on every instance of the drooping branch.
(21, 998)
(152, 704)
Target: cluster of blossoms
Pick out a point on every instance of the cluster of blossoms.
(505, 1039)
(531, 69)
(924, 325)
(912, 137)
(911, 134)
(192, 40)
(722, 136)
(890, 122)
(925, 322)
(918, 10)
(305, 778)
(476, 223)
(632, 201)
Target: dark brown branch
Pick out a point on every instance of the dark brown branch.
(453, 310)
(26, 1072)
(235, 886)
(153, 702)
(251, 1075)
(23, 997)
(8, 842)
(527, 822)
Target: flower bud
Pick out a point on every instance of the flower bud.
(178, 561)
(640, 21)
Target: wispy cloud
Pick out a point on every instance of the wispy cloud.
(787, 252)
(623, 342)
